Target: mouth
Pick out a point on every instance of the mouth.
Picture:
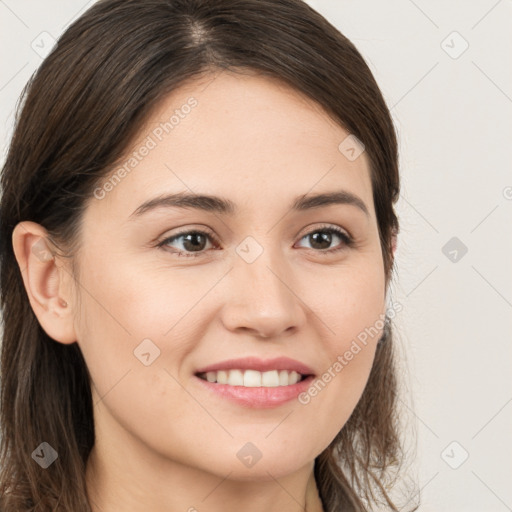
(252, 382)
(253, 389)
(253, 378)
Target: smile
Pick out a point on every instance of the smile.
(253, 378)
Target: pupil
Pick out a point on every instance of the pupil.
(194, 246)
(324, 236)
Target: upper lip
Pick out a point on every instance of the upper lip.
(261, 365)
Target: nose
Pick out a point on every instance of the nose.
(261, 298)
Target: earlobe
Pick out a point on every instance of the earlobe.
(45, 282)
(394, 241)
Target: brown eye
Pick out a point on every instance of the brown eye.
(321, 239)
(190, 241)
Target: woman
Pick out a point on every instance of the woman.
(252, 368)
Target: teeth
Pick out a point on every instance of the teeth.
(253, 378)
(270, 379)
(235, 378)
(222, 377)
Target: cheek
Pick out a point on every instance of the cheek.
(137, 314)
(127, 303)
(120, 308)
(350, 303)
(125, 315)
(350, 312)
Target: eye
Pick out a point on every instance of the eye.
(192, 242)
(321, 238)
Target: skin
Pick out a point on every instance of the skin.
(162, 442)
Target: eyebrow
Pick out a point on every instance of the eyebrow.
(220, 205)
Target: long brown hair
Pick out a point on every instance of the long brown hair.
(78, 114)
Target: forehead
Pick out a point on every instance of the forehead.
(251, 138)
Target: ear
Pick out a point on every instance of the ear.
(45, 282)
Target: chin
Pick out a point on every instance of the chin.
(241, 465)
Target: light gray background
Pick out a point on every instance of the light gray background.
(454, 116)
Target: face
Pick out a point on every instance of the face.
(168, 290)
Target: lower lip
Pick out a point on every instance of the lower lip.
(258, 397)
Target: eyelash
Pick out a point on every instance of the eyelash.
(347, 240)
